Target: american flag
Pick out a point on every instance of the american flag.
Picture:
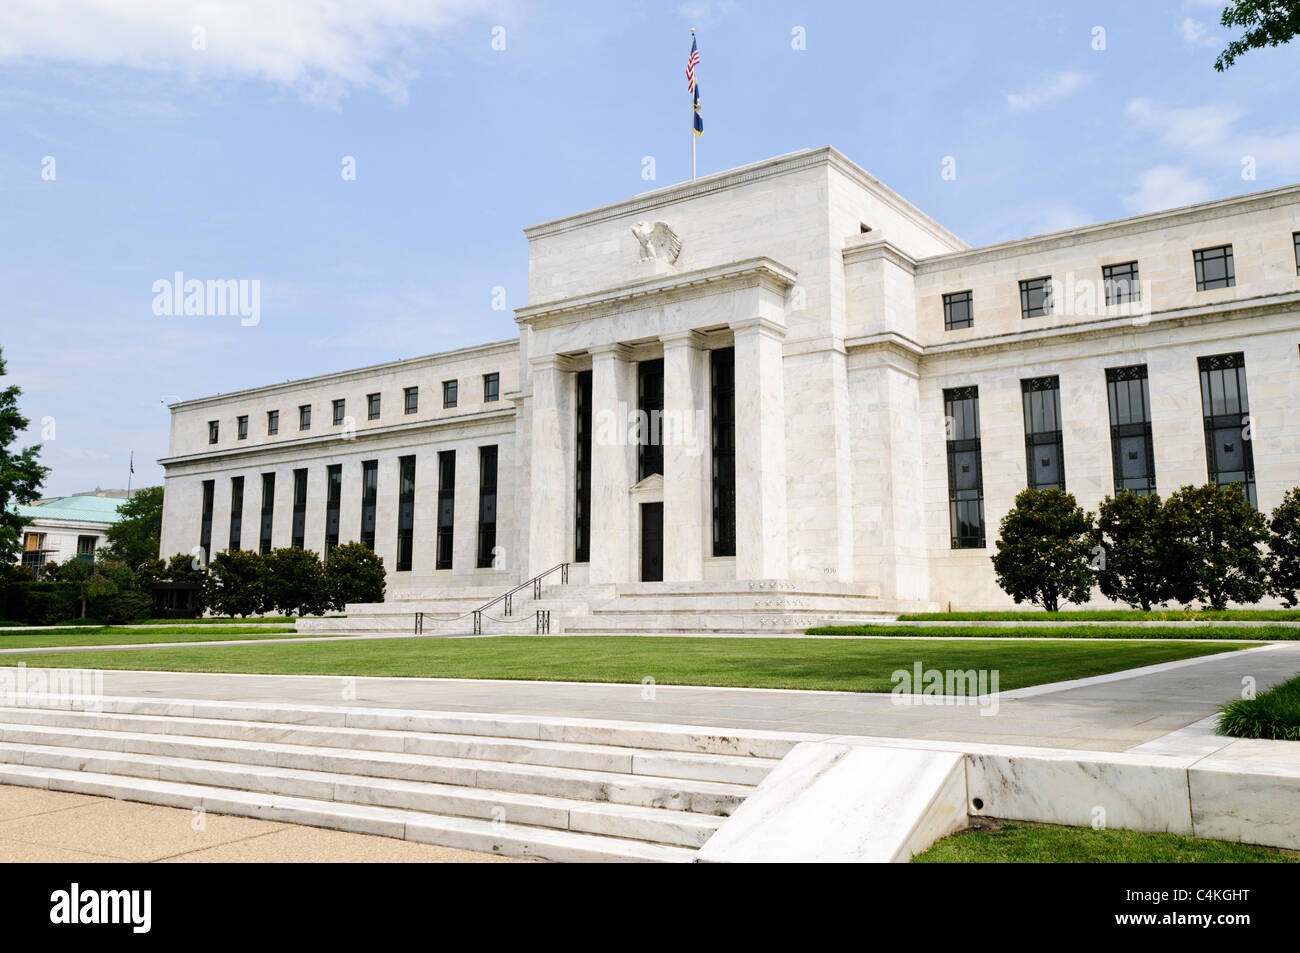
(691, 64)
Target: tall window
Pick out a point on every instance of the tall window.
(214, 430)
(446, 509)
(722, 381)
(34, 550)
(449, 389)
(1035, 297)
(333, 502)
(299, 539)
(304, 417)
(957, 312)
(1226, 408)
(965, 467)
(491, 387)
(372, 407)
(268, 512)
(339, 411)
(405, 512)
(272, 423)
(205, 520)
(1214, 268)
(1295, 237)
(86, 548)
(236, 513)
(1131, 450)
(411, 400)
(487, 505)
(369, 494)
(650, 407)
(1044, 456)
(1121, 283)
(582, 465)
(241, 427)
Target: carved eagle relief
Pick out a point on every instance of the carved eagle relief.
(658, 241)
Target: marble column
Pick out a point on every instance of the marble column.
(613, 463)
(761, 544)
(551, 482)
(687, 471)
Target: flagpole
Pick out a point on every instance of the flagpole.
(693, 135)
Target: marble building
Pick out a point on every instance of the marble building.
(780, 376)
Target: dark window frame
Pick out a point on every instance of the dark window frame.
(1295, 237)
(1126, 388)
(450, 393)
(650, 409)
(582, 416)
(1121, 282)
(298, 533)
(722, 420)
(411, 400)
(1036, 298)
(1225, 412)
(487, 505)
(1044, 441)
(241, 427)
(268, 513)
(333, 504)
(491, 387)
(214, 431)
(272, 423)
(405, 513)
(951, 302)
(445, 533)
(964, 450)
(1219, 256)
(372, 406)
(369, 502)
(304, 416)
(205, 519)
(340, 410)
(236, 513)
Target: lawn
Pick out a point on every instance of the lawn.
(1111, 615)
(1274, 714)
(207, 620)
(118, 635)
(850, 666)
(1263, 633)
(1020, 843)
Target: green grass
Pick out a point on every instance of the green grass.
(1021, 843)
(1111, 615)
(851, 666)
(117, 635)
(1274, 714)
(1263, 633)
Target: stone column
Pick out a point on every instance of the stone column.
(613, 463)
(550, 503)
(687, 471)
(761, 546)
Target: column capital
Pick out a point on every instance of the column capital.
(759, 324)
(692, 339)
(617, 352)
(551, 362)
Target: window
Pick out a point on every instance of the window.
(333, 501)
(1044, 455)
(1131, 451)
(299, 538)
(411, 399)
(372, 407)
(650, 407)
(405, 512)
(446, 508)
(1226, 409)
(272, 423)
(268, 512)
(205, 520)
(491, 387)
(582, 468)
(449, 389)
(1295, 237)
(34, 550)
(369, 494)
(1121, 283)
(722, 381)
(340, 409)
(214, 430)
(86, 548)
(957, 311)
(241, 428)
(965, 467)
(304, 417)
(1214, 268)
(236, 513)
(1035, 297)
(487, 505)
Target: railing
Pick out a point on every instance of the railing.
(419, 623)
(507, 598)
(543, 624)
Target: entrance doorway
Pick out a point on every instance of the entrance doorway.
(652, 542)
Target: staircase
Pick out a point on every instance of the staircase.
(547, 788)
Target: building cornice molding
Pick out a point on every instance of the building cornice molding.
(758, 325)
(880, 249)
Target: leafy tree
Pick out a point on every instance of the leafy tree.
(353, 573)
(295, 582)
(235, 583)
(1044, 550)
(93, 579)
(1214, 540)
(20, 475)
(1131, 568)
(1267, 23)
(135, 537)
(1284, 549)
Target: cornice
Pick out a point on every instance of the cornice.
(879, 250)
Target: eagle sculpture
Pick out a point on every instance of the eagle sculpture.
(657, 241)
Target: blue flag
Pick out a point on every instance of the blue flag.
(699, 120)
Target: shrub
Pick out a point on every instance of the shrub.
(235, 583)
(1044, 549)
(1274, 714)
(1131, 564)
(1213, 538)
(1284, 549)
(353, 573)
(295, 582)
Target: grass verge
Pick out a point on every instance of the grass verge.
(1111, 615)
(1274, 714)
(1263, 633)
(117, 635)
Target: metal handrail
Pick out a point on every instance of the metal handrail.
(508, 597)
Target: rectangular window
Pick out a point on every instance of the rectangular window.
(1044, 453)
(369, 495)
(957, 311)
(1226, 410)
(449, 389)
(372, 407)
(214, 430)
(411, 399)
(965, 467)
(205, 520)
(722, 381)
(487, 505)
(333, 501)
(446, 508)
(650, 407)
(582, 468)
(304, 417)
(491, 387)
(299, 539)
(86, 548)
(1214, 268)
(272, 423)
(1131, 450)
(405, 512)
(34, 550)
(1035, 297)
(236, 513)
(340, 406)
(268, 512)
(241, 428)
(1295, 237)
(1121, 283)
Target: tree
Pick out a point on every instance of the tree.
(235, 583)
(1214, 539)
(1284, 549)
(20, 475)
(1267, 23)
(1044, 550)
(353, 573)
(135, 537)
(295, 582)
(1131, 568)
(92, 579)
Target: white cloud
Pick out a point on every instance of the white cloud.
(1214, 135)
(320, 49)
(1165, 187)
(1196, 34)
(1050, 90)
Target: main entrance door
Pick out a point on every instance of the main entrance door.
(652, 542)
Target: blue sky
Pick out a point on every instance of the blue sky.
(225, 162)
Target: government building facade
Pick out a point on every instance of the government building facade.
(782, 388)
